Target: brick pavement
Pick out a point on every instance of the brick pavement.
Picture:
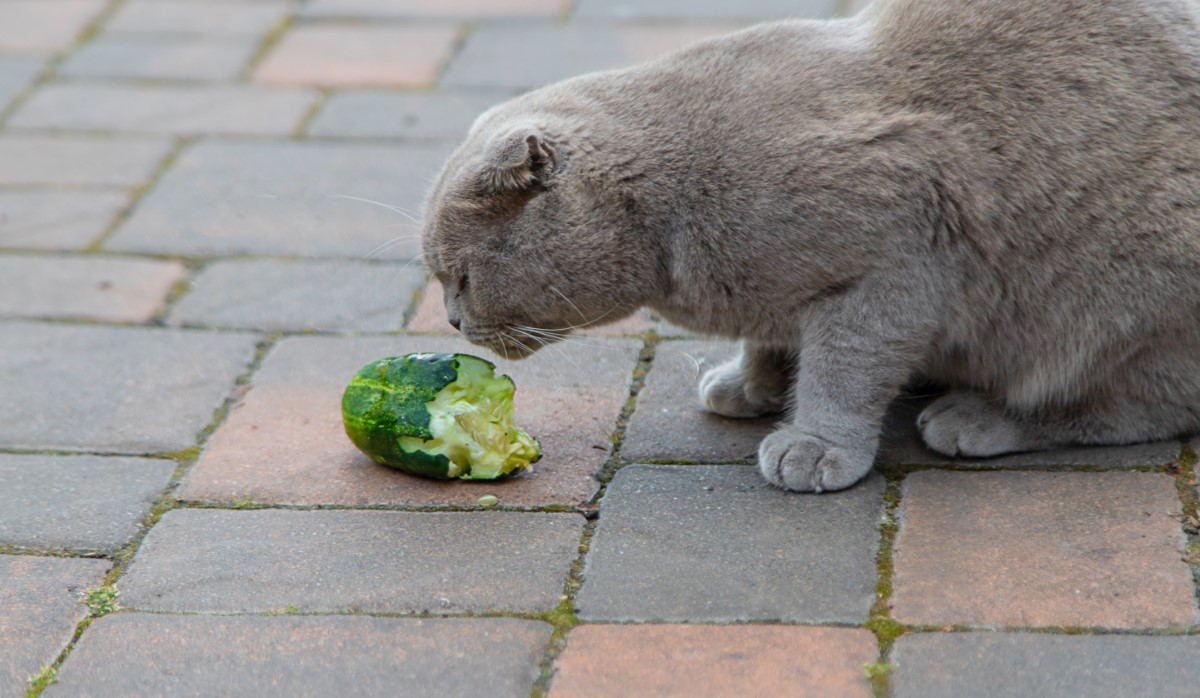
(208, 222)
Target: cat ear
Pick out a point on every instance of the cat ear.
(521, 159)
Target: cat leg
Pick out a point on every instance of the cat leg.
(753, 384)
(857, 350)
(968, 424)
(965, 423)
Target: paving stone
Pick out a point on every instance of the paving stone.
(285, 443)
(161, 57)
(16, 74)
(113, 389)
(39, 609)
(38, 26)
(218, 109)
(940, 665)
(364, 561)
(77, 502)
(287, 198)
(430, 318)
(902, 445)
(56, 220)
(669, 422)
(304, 656)
(551, 52)
(718, 544)
(705, 9)
(1041, 549)
(297, 296)
(441, 115)
(336, 56)
(79, 160)
(714, 660)
(426, 9)
(212, 17)
(90, 287)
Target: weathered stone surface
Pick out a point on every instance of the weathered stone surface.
(669, 422)
(16, 74)
(371, 561)
(158, 109)
(88, 287)
(285, 441)
(1015, 665)
(56, 220)
(423, 9)
(77, 502)
(552, 52)
(440, 115)
(40, 605)
(1041, 549)
(714, 660)
(717, 544)
(303, 655)
(306, 295)
(113, 389)
(212, 17)
(79, 160)
(161, 57)
(706, 9)
(358, 56)
(287, 198)
(40, 27)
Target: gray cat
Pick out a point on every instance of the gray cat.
(1000, 195)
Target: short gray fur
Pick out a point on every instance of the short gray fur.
(1000, 195)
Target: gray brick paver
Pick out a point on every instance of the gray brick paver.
(298, 296)
(286, 198)
(49, 219)
(322, 561)
(304, 656)
(77, 502)
(16, 74)
(161, 58)
(39, 608)
(165, 109)
(438, 115)
(113, 389)
(717, 544)
(1016, 665)
(212, 17)
(77, 160)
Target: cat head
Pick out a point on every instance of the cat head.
(528, 239)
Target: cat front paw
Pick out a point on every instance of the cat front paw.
(726, 391)
(801, 462)
(968, 424)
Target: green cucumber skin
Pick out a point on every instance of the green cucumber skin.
(386, 400)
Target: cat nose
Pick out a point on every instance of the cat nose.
(455, 322)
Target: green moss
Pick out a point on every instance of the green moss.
(39, 681)
(879, 674)
(101, 601)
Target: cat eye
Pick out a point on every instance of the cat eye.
(462, 286)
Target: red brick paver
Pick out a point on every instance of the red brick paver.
(337, 56)
(285, 441)
(713, 660)
(93, 288)
(1041, 549)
